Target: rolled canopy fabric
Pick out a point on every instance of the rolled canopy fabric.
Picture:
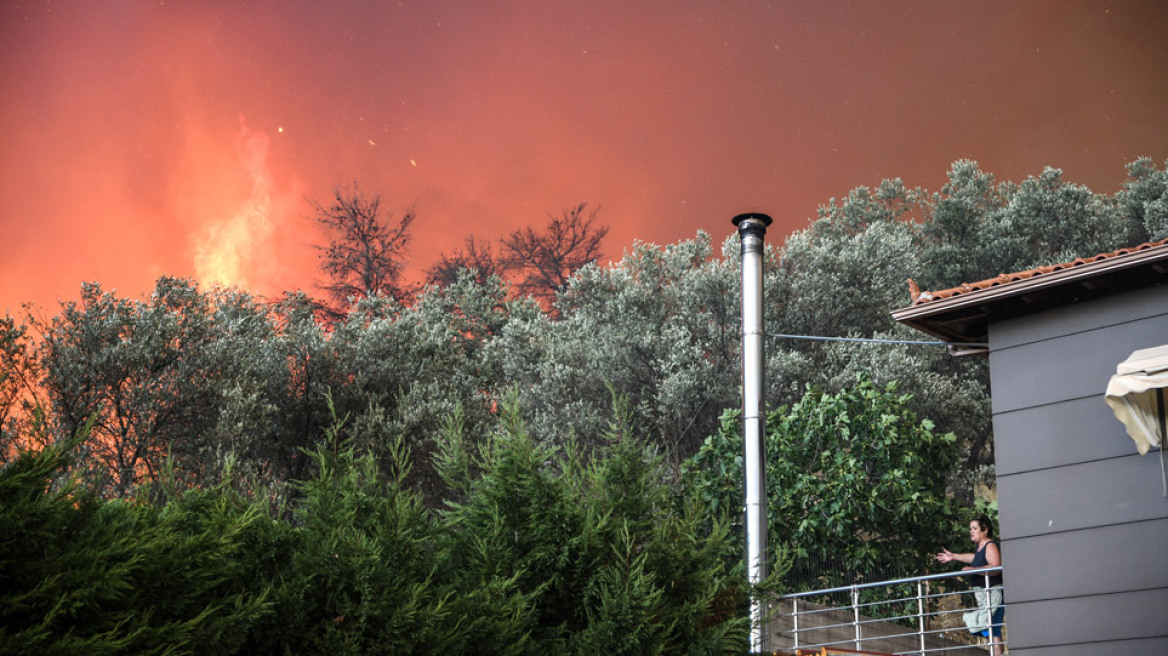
(1134, 395)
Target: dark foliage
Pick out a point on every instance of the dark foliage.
(366, 248)
(545, 555)
(855, 486)
(545, 260)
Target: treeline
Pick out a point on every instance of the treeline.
(197, 375)
(187, 381)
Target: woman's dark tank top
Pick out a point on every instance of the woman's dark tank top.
(979, 560)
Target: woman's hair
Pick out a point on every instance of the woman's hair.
(986, 526)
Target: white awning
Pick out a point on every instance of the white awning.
(1136, 396)
(1132, 395)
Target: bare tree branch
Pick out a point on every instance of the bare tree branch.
(472, 256)
(547, 259)
(365, 252)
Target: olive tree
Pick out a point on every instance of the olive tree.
(140, 368)
(20, 387)
(976, 228)
(410, 369)
(1144, 199)
(657, 328)
(1048, 220)
(840, 278)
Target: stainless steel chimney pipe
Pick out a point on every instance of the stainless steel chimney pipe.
(751, 231)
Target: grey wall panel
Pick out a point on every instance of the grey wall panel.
(1121, 490)
(1145, 646)
(1065, 433)
(1087, 562)
(1069, 367)
(1083, 519)
(1083, 620)
(1082, 317)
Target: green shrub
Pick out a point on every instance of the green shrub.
(360, 579)
(609, 558)
(543, 552)
(83, 576)
(855, 486)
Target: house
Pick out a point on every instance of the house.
(1084, 516)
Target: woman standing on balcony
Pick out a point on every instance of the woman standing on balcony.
(991, 613)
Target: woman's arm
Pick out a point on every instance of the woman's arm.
(993, 558)
(946, 556)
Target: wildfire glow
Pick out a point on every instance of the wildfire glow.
(124, 158)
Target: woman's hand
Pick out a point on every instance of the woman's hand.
(945, 556)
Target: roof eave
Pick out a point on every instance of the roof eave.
(980, 304)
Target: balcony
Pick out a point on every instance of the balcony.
(919, 615)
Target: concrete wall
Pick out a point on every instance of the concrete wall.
(1084, 523)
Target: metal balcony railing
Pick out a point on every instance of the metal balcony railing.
(918, 615)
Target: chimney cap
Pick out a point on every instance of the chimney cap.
(752, 216)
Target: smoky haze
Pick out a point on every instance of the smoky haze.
(143, 139)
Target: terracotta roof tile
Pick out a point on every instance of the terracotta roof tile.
(921, 297)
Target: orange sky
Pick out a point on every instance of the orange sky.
(183, 138)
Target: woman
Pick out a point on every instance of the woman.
(986, 554)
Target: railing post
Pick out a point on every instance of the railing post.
(856, 614)
(921, 604)
(989, 613)
(795, 620)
